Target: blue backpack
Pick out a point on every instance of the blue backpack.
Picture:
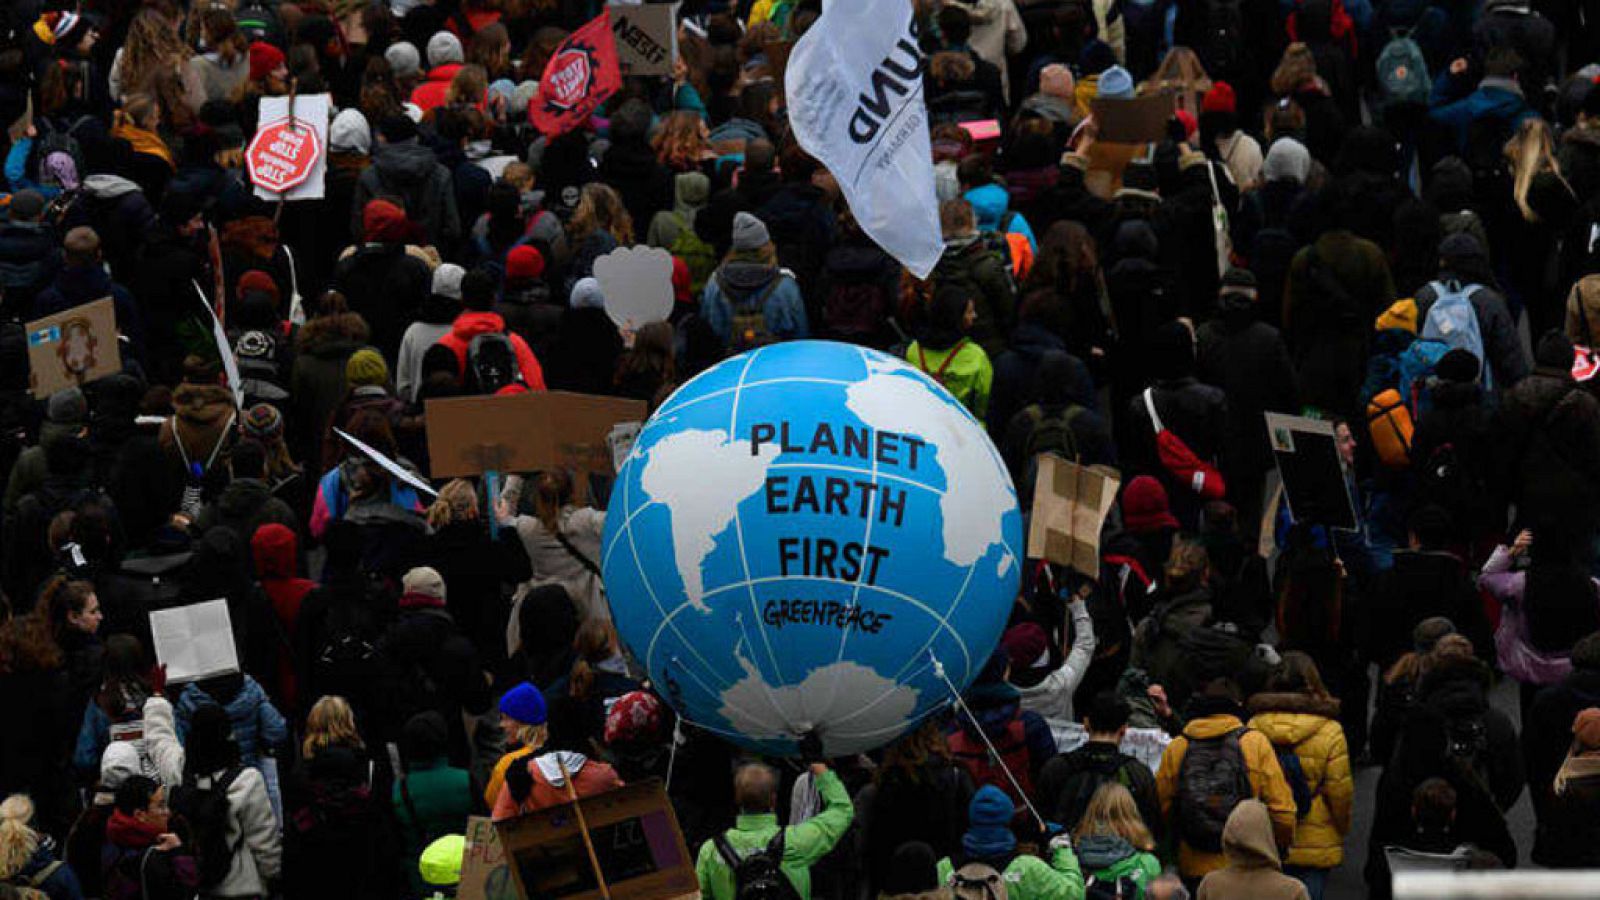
(1415, 366)
(1403, 73)
(1453, 320)
(1295, 775)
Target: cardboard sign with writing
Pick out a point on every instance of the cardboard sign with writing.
(484, 873)
(1137, 121)
(1314, 484)
(73, 347)
(1070, 504)
(194, 641)
(636, 838)
(647, 37)
(525, 432)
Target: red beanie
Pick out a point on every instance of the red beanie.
(682, 281)
(1220, 99)
(524, 262)
(257, 280)
(1024, 644)
(263, 59)
(383, 222)
(1144, 506)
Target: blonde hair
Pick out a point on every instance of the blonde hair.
(1111, 811)
(331, 723)
(151, 45)
(458, 502)
(1297, 67)
(1531, 151)
(531, 736)
(17, 841)
(600, 209)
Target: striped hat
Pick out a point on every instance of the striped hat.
(262, 422)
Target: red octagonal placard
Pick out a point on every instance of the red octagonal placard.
(282, 155)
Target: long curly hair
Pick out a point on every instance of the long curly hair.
(27, 646)
(681, 141)
(600, 209)
(152, 46)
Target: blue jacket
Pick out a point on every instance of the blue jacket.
(62, 883)
(17, 171)
(735, 282)
(257, 724)
(1493, 99)
(989, 205)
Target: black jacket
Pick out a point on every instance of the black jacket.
(1423, 584)
(1550, 450)
(1247, 359)
(430, 665)
(1016, 372)
(1546, 738)
(412, 173)
(30, 256)
(645, 184)
(386, 286)
(1056, 784)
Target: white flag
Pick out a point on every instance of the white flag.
(855, 102)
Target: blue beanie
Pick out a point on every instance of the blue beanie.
(525, 704)
(1115, 84)
(989, 824)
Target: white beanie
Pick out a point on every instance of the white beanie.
(444, 48)
(403, 59)
(119, 763)
(1287, 160)
(586, 294)
(350, 133)
(447, 280)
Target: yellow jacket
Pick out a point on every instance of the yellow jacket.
(497, 777)
(1266, 781)
(1311, 727)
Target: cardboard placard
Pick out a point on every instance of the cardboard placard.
(635, 835)
(637, 285)
(194, 641)
(647, 37)
(1070, 505)
(73, 347)
(312, 110)
(1314, 484)
(484, 873)
(525, 432)
(1137, 121)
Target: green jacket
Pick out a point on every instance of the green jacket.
(1143, 868)
(803, 844)
(442, 797)
(1030, 878)
(968, 375)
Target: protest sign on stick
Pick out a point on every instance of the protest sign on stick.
(73, 347)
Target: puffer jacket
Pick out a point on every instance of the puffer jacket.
(1266, 782)
(257, 724)
(1310, 726)
(1106, 859)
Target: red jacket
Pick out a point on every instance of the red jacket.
(430, 93)
(469, 325)
(276, 551)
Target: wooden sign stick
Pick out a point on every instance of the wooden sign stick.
(583, 829)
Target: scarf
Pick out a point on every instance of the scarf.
(126, 831)
(1576, 766)
(144, 141)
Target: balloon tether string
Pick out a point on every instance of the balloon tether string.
(938, 669)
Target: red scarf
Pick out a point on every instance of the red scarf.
(128, 832)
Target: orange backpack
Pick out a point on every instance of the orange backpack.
(1389, 422)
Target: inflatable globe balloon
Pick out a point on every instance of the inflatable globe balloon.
(812, 537)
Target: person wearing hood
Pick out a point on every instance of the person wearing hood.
(1253, 868)
(1021, 735)
(1222, 139)
(141, 856)
(216, 761)
(1494, 108)
(1463, 264)
(1246, 358)
(1550, 447)
(690, 192)
(29, 256)
(1334, 288)
(970, 263)
(944, 352)
(1461, 419)
(990, 842)
(201, 429)
(1214, 714)
(257, 726)
(477, 317)
(435, 317)
(1114, 841)
(1299, 716)
(275, 548)
(750, 300)
(1561, 836)
(430, 798)
(1197, 413)
(247, 503)
(403, 167)
(381, 281)
(445, 59)
(991, 206)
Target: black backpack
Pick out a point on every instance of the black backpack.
(1295, 774)
(758, 874)
(1079, 787)
(1212, 780)
(1051, 432)
(1223, 48)
(1466, 751)
(1117, 889)
(491, 364)
(58, 140)
(208, 813)
(259, 372)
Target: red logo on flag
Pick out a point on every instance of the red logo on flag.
(282, 155)
(580, 76)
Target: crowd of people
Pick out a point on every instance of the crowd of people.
(1385, 215)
